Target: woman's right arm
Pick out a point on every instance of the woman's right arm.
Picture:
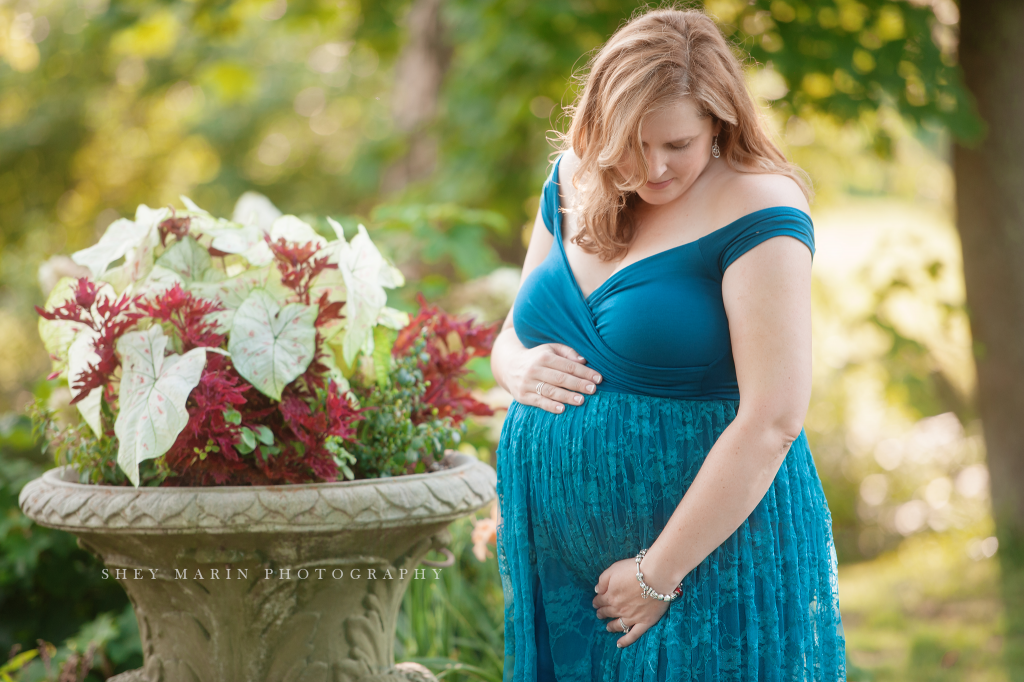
(518, 369)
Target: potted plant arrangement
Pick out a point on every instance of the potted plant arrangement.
(262, 454)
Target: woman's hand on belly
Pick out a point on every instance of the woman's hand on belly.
(556, 369)
(619, 596)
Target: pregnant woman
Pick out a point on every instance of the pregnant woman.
(661, 516)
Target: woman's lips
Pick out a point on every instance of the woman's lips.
(659, 185)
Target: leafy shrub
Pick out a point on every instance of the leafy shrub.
(227, 353)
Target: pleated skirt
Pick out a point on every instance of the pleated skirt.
(581, 490)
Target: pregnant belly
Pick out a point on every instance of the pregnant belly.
(601, 480)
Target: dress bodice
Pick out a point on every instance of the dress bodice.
(658, 326)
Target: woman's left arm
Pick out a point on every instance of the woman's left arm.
(767, 294)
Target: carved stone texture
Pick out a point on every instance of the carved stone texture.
(56, 500)
(290, 583)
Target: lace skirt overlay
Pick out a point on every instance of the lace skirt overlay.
(581, 490)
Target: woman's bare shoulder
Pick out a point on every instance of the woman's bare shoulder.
(741, 193)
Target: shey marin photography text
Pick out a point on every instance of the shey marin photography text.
(269, 574)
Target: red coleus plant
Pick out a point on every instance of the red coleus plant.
(187, 314)
(288, 439)
(107, 319)
(220, 347)
(452, 343)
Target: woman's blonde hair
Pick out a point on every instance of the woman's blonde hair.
(656, 59)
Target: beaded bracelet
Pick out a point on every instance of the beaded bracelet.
(647, 590)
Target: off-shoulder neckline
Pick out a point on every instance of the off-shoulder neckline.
(557, 229)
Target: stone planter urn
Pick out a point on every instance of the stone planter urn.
(284, 583)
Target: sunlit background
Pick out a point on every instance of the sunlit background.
(427, 121)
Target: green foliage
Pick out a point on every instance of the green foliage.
(849, 57)
(104, 646)
(454, 625)
(444, 233)
(510, 68)
(388, 442)
(94, 458)
(342, 457)
(383, 342)
(49, 587)
(16, 663)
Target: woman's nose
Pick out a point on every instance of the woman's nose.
(656, 166)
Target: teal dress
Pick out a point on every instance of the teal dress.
(593, 485)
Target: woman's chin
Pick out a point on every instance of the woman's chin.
(658, 197)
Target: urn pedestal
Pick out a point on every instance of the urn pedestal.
(288, 583)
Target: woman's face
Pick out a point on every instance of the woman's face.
(677, 146)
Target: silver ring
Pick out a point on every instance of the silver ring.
(539, 384)
(625, 628)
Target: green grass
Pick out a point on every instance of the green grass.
(924, 612)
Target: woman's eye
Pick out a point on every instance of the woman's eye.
(680, 148)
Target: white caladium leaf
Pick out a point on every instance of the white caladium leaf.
(220, 321)
(118, 278)
(201, 222)
(121, 235)
(139, 259)
(152, 398)
(339, 231)
(191, 206)
(231, 292)
(363, 303)
(160, 279)
(365, 273)
(235, 240)
(253, 208)
(393, 318)
(332, 283)
(270, 346)
(89, 408)
(292, 229)
(333, 371)
(190, 261)
(259, 254)
(81, 354)
(150, 218)
(245, 240)
(387, 275)
(136, 241)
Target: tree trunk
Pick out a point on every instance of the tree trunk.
(419, 73)
(990, 208)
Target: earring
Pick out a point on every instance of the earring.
(715, 151)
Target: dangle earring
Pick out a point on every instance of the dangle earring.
(715, 151)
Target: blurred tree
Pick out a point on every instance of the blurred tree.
(419, 73)
(849, 60)
(990, 218)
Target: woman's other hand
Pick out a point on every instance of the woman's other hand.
(556, 369)
(619, 595)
